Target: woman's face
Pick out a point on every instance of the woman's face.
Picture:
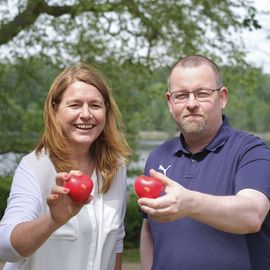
(81, 114)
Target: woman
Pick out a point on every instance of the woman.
(42, 227)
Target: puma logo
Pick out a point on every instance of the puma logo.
(163, 169)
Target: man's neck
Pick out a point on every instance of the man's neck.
(196, 142)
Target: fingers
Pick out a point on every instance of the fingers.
(161, 205)
(162, 214)
(88, 200)
(52, 199)
(75, 172)
(165, 180)
(59, 190)
(165, 200)
(61, 177)
(161, 202)
(156, 211)
(56, 193)
(161, 210)
(169, 206)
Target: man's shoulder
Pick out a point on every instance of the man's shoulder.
(167, 146)
(242, 142)
(163, 154)
(245, 137)
(165, 150)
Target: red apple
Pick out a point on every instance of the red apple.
(80, 187)
(149, 187)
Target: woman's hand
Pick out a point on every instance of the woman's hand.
(62, 208)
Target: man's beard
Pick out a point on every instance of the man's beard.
(196, 126)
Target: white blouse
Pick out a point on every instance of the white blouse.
(89, 241)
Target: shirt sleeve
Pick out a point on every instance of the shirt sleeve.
(119, 246)
(254, 169)
(24, 204)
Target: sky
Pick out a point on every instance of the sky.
(257, 42)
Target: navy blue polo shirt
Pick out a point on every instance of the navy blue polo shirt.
(234, 160)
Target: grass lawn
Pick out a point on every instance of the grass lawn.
(131, 255)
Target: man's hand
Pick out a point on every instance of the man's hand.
(173, 205)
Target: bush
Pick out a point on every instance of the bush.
(133, 222)
(5, 183)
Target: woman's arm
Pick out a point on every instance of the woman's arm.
(31, 230)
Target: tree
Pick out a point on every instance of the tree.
(149, 31)
(24, 86)
(248, 98)
(131, 41)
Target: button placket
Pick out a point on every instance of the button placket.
(94, 237)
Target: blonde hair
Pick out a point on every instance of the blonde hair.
(110, 148)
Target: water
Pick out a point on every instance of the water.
(9, 161)
(143, 151)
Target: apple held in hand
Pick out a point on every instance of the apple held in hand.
(148, 187)
(80, 187)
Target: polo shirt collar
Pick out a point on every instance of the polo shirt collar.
(219, 139)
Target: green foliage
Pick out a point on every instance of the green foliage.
(134, 172)
(24, 87)
(133, 222)
(248, 105)
(139, 92)
(148, 32)
(133, 43)
(5, 183)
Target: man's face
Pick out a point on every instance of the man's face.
(193, 116)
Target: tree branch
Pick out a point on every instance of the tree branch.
(35, 8)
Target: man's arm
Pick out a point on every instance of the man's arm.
(146, 246)
(241, 213)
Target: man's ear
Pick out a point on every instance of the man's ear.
(168, 99)
(223, 96)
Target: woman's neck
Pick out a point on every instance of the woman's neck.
(84, 163)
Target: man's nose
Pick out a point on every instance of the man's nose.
(192, 101)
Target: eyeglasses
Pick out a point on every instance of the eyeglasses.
(200, 94)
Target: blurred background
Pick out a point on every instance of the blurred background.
(133, 42)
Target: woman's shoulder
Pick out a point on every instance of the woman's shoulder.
(36, 158)
(40, 167)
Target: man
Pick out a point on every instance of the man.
(214, 213)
